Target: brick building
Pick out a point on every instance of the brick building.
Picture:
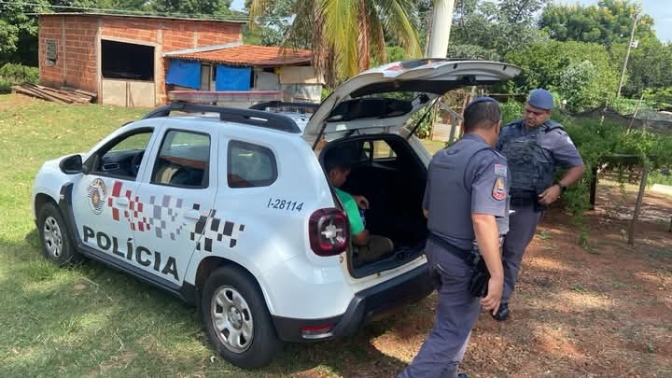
(125, 60)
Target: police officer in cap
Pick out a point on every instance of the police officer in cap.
(535, 146)
(465, 203)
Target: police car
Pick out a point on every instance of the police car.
(231, 210)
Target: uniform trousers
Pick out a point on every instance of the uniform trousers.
(456, 313)
(522, 226)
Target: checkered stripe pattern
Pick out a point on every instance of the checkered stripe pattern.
(135, 208)
(209, 229)
(163, 216)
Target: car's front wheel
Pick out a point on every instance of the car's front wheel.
(237, 320)
(54, 237)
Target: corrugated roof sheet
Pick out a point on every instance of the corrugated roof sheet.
(247, 55)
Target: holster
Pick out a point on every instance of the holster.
(480, 276)
(526, 198)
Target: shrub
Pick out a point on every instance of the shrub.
(19, 74)
(5, 86)
(511, 111)
(598, 142)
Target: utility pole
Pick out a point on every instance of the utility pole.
(627, 54)
(442, 20)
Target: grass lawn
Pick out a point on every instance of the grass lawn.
(92, 320)
(600, 314)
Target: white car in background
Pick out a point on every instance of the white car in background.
(235, 214)
(300, 112)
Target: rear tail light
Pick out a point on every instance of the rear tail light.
(329, 232)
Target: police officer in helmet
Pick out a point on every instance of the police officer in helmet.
(535, 146)
(465, 203)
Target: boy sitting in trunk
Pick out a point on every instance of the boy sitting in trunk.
(367, 248)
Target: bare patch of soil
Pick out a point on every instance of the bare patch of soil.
(575, 313)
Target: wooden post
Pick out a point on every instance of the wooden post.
(635, 114)
(638, 205)
(593, 187)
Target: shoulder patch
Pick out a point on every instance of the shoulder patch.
(500, 170)
(498, 190)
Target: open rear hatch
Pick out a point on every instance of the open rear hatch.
(356, 106)
(365, 115)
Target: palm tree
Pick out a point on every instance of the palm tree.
(345, 34)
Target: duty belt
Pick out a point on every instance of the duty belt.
(478, 283)
(468, 256)
(523, 198)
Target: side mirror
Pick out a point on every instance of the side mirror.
(71, 165)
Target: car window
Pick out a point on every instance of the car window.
(377, 150)
(134, 142)
(183, 160)
(122, 157)
(250, 165)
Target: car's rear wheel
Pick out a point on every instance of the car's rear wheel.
(54, 237)
(237, 320)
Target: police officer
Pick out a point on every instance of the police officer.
(465, 196)
(535, 146)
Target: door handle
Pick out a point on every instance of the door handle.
(122, 201)
(192, 216)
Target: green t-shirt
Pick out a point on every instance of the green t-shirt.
(351, 208)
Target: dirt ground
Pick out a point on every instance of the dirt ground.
(576, 313)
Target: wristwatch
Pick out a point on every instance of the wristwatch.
(562, 187)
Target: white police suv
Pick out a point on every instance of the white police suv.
(231, 210)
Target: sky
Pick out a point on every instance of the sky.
(660, 10)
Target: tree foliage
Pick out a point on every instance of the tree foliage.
(191, 7)
(344, 35)
(272, 26)
(581, 73)
(649, 69)
(500, 28)
(609, 22)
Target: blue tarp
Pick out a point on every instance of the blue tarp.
(184, 73)
(233, 78)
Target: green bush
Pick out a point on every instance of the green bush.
(5, 86)
(602, 142)
(660, 176)
(19, 74)
(511, 111)
(627, 106)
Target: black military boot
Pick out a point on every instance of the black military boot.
(463, 375)
(502, 313)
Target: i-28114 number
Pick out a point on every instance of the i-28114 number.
(284, 204)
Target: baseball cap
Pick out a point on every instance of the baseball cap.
(482, 99)
(541, 99)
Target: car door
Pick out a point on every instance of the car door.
(103, 199)
(177, 198)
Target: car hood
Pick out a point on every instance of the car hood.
(354, 107)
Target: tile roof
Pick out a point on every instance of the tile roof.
(140, 15)
(247, 55)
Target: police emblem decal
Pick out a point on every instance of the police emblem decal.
(498, 190)
(97, 194)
